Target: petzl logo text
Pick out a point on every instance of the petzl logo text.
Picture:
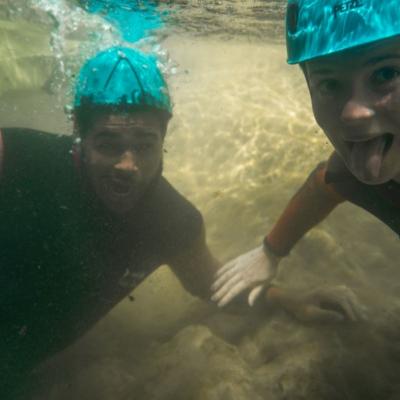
(341, 8)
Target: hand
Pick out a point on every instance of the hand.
(252, 270)
(326, 304)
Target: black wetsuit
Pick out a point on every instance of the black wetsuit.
(64, 260)
(383, 201)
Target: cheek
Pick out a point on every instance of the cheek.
(322, 117)
(152, 164)
(156, 155)
(95, 163)
(154, 161)
(318, 108)
(327, 116)
(323, 113)
(392, 105)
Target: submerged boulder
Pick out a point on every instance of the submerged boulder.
(276, 359)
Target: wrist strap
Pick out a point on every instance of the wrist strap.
(268, 248)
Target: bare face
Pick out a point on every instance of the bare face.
(356, 101)
(122, 155)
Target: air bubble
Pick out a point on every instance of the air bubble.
(68, 109)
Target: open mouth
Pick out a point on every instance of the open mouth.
(388, 140)
(117, 187)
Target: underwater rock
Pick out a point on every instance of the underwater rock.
(331, 362)
(196, 364)
(280, 359)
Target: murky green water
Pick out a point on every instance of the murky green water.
(242, 140)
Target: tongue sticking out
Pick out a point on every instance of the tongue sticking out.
(367, 157)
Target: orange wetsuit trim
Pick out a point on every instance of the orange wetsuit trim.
(309, 206)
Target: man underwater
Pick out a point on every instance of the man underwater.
(85, 221)
(350, 56)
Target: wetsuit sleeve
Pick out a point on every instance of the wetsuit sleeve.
(309, 206)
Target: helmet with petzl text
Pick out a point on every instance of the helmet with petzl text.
(317, 28)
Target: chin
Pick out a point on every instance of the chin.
(118, 205)
(380, 180)
(120, 209)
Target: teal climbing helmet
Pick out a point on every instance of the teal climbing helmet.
(122, 76)
(316, 28)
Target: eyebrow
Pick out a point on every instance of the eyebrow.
(376, 60)
(141, 134)
(372, 61)
(106, 135)
(320, 71)
(146, 134)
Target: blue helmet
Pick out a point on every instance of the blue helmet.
(316, 28)
(122, 76)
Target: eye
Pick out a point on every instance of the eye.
(109, 148)
(328, 87)
(143, 147)
(385, 75)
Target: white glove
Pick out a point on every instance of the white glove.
(250, 271)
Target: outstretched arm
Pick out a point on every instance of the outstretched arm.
(202, 275)
(308, 207)
(254, 270)
(195, 267)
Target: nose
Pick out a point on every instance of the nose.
(355, 112)
(127, 163)
(357, 109)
